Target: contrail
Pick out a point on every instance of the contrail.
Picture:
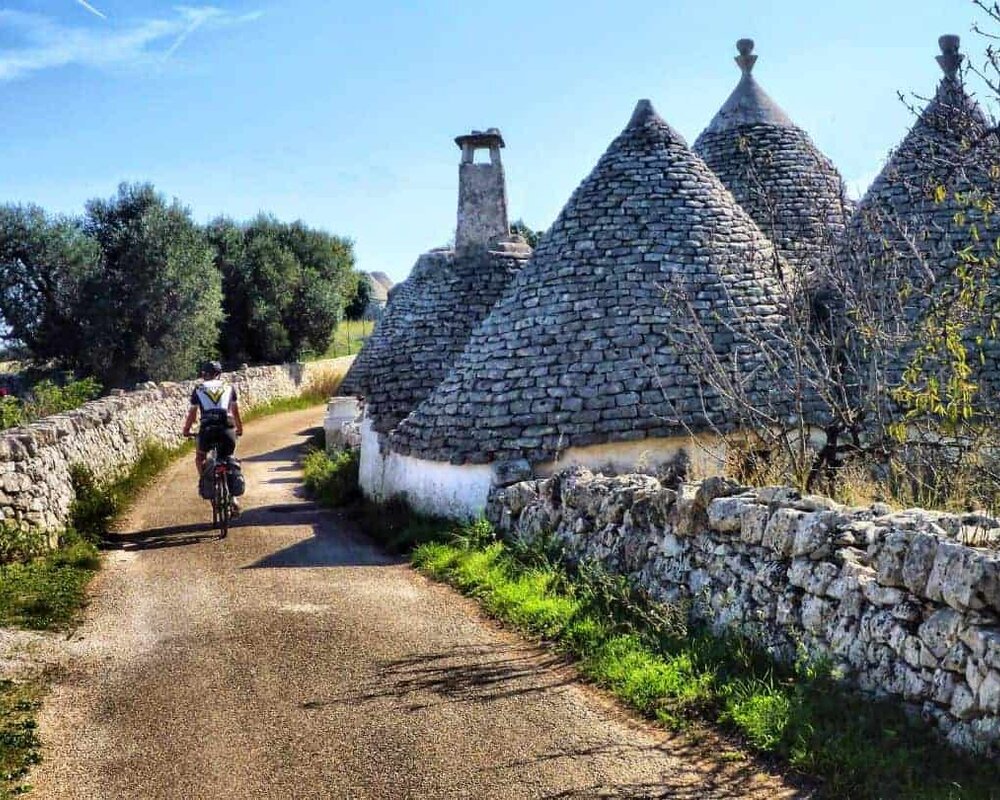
(196, 23)
(91, 9)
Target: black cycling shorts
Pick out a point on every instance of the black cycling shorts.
(217, 436)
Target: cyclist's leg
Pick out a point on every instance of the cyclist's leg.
(202, 448)
(226, 442)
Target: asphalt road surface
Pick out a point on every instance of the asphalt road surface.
(295, 660)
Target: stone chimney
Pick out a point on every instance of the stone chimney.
(482, 193)
(950, 59)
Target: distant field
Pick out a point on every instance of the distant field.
(348, 338)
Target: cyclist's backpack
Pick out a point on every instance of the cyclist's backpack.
(206, 484)
(237, 483)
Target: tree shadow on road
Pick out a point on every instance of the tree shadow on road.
(705, 770)
(495, 673)
(463, 674)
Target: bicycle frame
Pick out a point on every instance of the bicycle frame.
(222, 509)
(221, 501)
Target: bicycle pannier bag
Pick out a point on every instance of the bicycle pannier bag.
(237, 483)
(206, 484)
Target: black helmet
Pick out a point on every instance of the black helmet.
(211, 368)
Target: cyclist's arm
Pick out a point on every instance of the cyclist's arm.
(189, 421)
(234, 408)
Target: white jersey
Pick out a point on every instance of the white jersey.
(214, 398)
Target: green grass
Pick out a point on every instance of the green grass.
(333, 480)
(20, 747)
(652, 661)
(348, 338)
(47, 592)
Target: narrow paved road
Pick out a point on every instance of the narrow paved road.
(295, 660)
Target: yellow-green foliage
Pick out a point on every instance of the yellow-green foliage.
(349, 337)
(48, 591)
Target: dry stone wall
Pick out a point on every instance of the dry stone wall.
(109, 434)
(902, 602)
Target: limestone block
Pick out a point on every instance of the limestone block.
(650, 507)
(725, 514)
(986, 736)
(685, 518)
(940, 631)
(984, 643)
(813, 535)
(519, 496)
(918, 561)
(779, 535)
(511, 471)
(754, 523)
(916, 654)
(943, 687)
(888, 555)
(961, 577)
(815, 614)
(879, 595)
(812, 577)
(989, 693)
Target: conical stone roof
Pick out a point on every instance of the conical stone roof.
(579, 352)
(427, 324)
(403, 299)
(904, 239)
(793, 192)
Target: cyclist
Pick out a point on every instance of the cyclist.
(220, 415)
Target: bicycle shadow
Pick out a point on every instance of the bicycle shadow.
(158, 538)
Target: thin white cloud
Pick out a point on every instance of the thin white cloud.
(196, 17)
(48, 44)
(91, 9)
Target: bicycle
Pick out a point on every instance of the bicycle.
(222, 499)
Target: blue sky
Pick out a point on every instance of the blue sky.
(343, 114)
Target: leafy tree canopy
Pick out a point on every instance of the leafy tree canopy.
(285, 287)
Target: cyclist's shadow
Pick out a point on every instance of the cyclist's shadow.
(157, 538)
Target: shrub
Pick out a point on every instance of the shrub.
(93, 507)
(20, 543)
(333, 480)
(47, 397)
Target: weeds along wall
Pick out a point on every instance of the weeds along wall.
(108, 435)
(904, 604)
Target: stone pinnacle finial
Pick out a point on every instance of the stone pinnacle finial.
(746, 59)
(950, 59)
(643, 111)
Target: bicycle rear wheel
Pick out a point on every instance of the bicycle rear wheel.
(223, 504)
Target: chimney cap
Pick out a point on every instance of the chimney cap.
(746, 58)
(950, 59)
(489, 138)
